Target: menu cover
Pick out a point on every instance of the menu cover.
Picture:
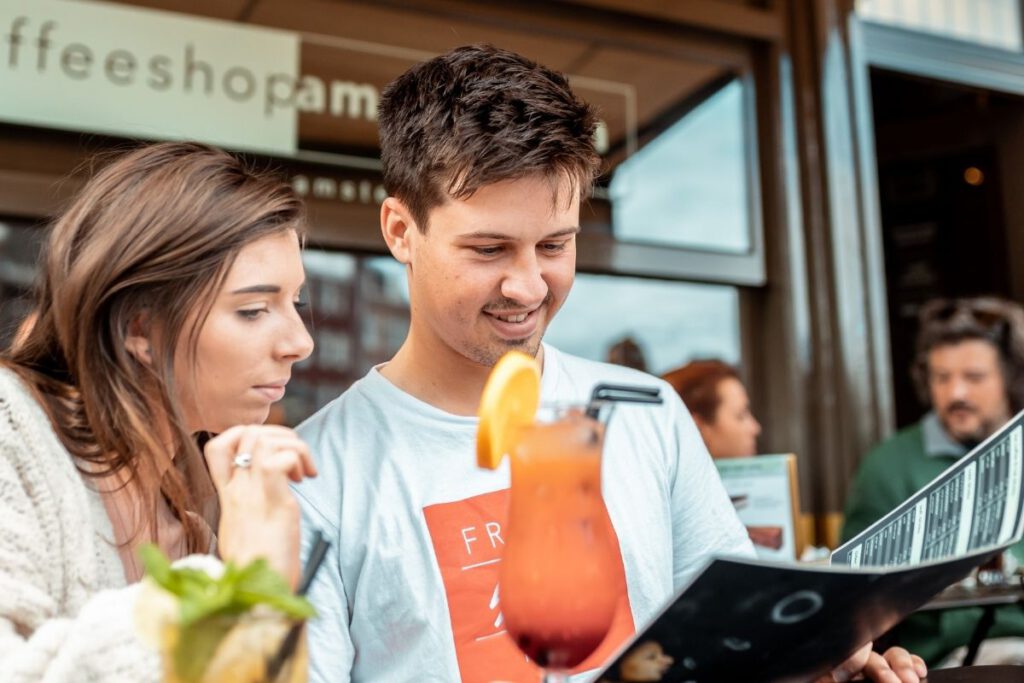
(757, 620)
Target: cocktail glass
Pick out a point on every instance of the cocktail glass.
(557, 576)
(232, 649)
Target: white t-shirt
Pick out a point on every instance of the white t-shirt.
(407, 592)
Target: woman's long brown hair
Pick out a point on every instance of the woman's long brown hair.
(146, 243)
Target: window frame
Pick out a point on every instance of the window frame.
(941, 58)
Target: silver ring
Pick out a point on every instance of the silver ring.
(242, 461)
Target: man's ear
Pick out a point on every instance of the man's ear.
(397, 226)
(136, 341)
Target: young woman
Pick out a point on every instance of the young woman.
(166, 311)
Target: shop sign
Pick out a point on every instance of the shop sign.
(106, 68)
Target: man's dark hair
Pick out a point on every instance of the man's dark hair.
(476, 116)
(946, 322)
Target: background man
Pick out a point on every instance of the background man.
(970, 369)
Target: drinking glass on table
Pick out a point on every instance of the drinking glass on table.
(243, 647)
(558, 569)
(220, 623)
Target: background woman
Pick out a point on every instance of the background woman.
(718, 401)
(166, 308)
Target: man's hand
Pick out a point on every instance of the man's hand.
(895, 666)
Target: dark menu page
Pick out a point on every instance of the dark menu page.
(754, 620)
(975, 504)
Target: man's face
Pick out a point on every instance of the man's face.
(968, 390)
(492, 270)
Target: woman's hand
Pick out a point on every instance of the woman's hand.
(259, 516)
(895, 666)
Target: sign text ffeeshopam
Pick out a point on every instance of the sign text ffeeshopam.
(105, 68)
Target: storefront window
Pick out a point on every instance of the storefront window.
(689, 186)
(669, 322)
(996, 23)
(19, 249)
(359, 316)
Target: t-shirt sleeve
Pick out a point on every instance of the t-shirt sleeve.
(331, 652)
(704, 522)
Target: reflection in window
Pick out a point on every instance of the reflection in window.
(689, 186)
(19, 250)
(358, 318)
(670, 322)
(996, 23)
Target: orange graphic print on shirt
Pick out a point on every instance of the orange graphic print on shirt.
(467, 539)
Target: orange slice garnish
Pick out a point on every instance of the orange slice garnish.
(509, 402)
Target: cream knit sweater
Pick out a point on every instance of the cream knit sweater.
(65, 612)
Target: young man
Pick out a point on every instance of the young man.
(970, 370)
(486, 158)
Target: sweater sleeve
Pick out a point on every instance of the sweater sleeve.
(39, 640)
(875, 491)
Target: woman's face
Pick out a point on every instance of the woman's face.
(734, 431)
(250, 340)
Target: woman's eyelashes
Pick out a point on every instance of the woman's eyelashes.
(251, 313)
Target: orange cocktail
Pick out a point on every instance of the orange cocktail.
(558, 570)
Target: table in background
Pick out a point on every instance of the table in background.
(987, 597)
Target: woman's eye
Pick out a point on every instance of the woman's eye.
(251, 313)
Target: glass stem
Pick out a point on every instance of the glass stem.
(555, 677)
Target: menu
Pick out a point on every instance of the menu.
(768, 621)
(975, 504)
(760, 620)
(763, 490)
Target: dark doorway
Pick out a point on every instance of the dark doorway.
(947, 156)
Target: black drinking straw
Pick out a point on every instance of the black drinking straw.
(603, 394)
(291, 640)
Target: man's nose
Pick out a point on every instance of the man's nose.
(958, 389)
(524, 282)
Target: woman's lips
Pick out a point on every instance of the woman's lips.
(273, 392)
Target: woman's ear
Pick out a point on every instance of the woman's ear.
(397, 224)
(136, 341)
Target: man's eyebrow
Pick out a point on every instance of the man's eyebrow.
(566, 232)
(499, 236)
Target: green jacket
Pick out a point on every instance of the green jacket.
(890, 474)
